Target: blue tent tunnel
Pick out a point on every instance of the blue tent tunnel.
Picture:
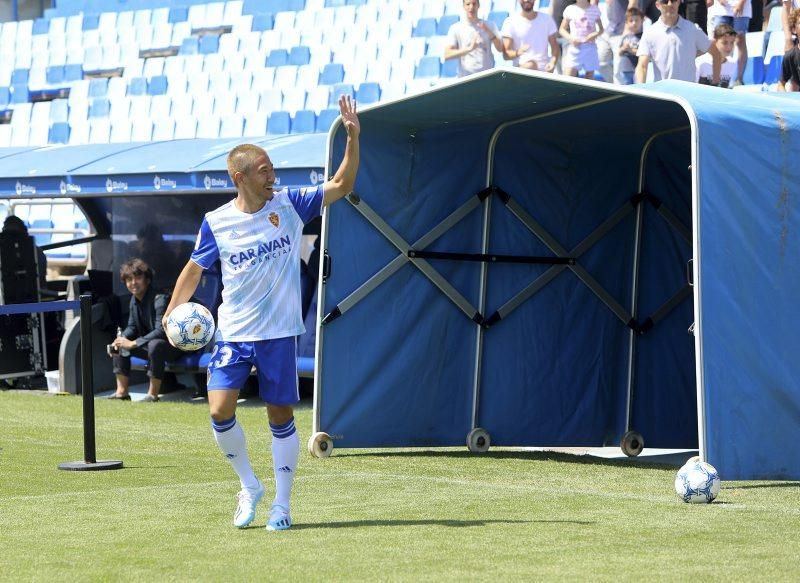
(514, 257)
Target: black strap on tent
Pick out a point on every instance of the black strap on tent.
(648, 323)
(492, 258)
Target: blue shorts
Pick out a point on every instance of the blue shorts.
(739, 23)
(275, 362)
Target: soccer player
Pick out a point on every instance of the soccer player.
(256, 236)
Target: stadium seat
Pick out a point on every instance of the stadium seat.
(425, 27)
(428, 67)
(20, 76)
(754, 71)
(255, 124)
(449, 68)
(185, 128)
(445, 22)
(208, 127)
(59, 111)
(277, 58)
(331, 74)
(5, 96)
(368, 92)
(304, 122)
(262, 22)
(337, 91)
(300, 55)
(137, 86)
(142, 130)
(772, 71)
(54, 75)
(271, 100)
(19, 94)
(41, 26)
(325, 119)
(164, 129)
(498, 17)
(285, 77)
(90, 22)
(120, 131)
(98, 87)
(231, 126)
(208, 44)
(99, 107)
(294, 99)
(157, 85)
(59, 133)
(278, 123)
(189, 46)
(73, 72)
(318, 98)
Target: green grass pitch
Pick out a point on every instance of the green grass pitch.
(368, 515)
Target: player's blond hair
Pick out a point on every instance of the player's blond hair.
(242, 158)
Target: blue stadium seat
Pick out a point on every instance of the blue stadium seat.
(59, 110)
(425, 27)
(98, 87)
(754, 71)
(279, 123)
(772, 72)
(325, 119)
(277, 58)
(368, 92)
(178, 14)
(19, 76)
(332, 73)
(334, 3)
(54, 75)
(498, 17)
(59, 133)
(137, 86)
(42, 238)
(208, 44)
(189, 46)
(254, 7)
(428, 67)
(19, 94)
(73, 72)
(100, 107)
(157, 85)
(262, 22)
(338, 90)
(445, 22)
(41, 26)
(300, 55)
(90, 22)
(356, 2)
(449, 68)
(304, 122)
(5, 96)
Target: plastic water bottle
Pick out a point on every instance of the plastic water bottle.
(122, 351)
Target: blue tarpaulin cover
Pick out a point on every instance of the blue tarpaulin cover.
(641, 187)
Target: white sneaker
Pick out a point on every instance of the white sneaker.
(246, 508)
(279, 518)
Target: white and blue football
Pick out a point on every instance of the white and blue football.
(697, 482)
(190, 326)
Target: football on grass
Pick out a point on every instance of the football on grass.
(190, 326)
(697, 482)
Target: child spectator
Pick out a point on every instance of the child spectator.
(736, 13)
(724, 38)
(581, 25)
(790, 71)
(629, 44)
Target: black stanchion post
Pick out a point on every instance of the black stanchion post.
(87, 392)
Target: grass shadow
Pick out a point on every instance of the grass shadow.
(449, 523)
(767, 485)
(655, 462)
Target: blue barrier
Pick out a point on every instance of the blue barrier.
(37, 307)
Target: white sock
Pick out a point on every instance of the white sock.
(285, 453)
(230, 438)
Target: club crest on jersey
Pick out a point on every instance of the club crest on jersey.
(274, 219)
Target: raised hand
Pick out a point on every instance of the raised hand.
(347, 108)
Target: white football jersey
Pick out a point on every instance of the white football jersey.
(260, 258)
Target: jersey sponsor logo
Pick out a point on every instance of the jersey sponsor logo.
(275, 219)
(263, 252)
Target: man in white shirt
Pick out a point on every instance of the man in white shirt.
(527, 36)
(256, 238)
(470, 40)
(672, 44)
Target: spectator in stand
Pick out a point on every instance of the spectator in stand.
(144, 336)
(672, 44)
(470, 41)
(631, 36)
(736, 13)
(526, 37)
(724, 38)
(789, 32)
(790, 72)
(581, 26)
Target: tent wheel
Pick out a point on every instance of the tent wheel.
(632, 443)
(320, 444)
(478, 440)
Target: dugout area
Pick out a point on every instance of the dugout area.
(526, 254)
